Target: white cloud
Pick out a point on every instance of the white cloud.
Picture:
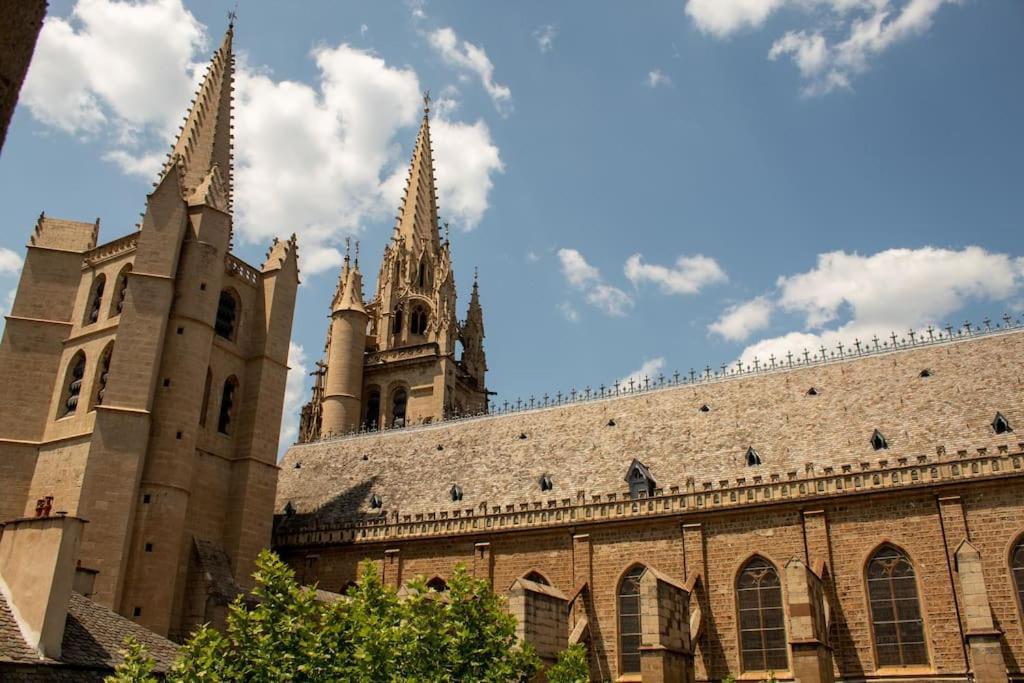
(473, 59)
(569, 311)
(363, 29)
(841, 39)
(656, 78)
(294, 392)
(690, 274)
(10, 262)
(586, 278)
(648, 370)
(545, 36)
(849, 296)
(127, 65)
(740, 321)
(320, 159)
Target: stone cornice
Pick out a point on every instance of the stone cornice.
(832, 482)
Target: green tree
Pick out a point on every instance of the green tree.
(136, 665)
(282, 633)
(571, 666)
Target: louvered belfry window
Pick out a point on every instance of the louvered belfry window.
(73, 390)
(227, 315)
(895, 609)
(629, 621)
(762, 619)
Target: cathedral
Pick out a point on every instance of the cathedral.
(144, 383)
(392, 362)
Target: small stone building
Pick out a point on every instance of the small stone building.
(144, 380)
(853, 515)
(50, 629)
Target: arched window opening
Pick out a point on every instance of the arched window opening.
(227, 405)
(895, 609)
(121, 290)
(546, 484)
(437, 584)
(418, 320)
(399, 400)
(205, 407)
(96, 299)
(537, 577)
(1017, 569)
(455, 493)
(421, 278)
(761, 617)
(227, 315)
(104, 372)
(72, 386)
(396, 321)
(878, 441)
(376, 502)
(753, 457)
(372, 409)
(629, 621)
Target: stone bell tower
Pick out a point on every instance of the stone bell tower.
(406, 369)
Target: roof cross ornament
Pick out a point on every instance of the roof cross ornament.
(1006, 319)
(232, 16)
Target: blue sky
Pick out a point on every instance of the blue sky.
(653, 185)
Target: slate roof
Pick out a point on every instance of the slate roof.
(93, 637)
(330, 482)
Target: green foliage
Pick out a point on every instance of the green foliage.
(571, 666)
(283, 634)
(136, 665)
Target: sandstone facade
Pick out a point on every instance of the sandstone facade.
(144, 383)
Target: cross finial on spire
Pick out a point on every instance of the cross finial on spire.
(357, 253)
(348, 248)
(232, 16)
(426, 102)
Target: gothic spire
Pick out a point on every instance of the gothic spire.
(418, 213)
(205, 138)
(349, 294)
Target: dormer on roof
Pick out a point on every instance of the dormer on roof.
(641, 482)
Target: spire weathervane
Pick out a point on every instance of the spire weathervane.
(426, 102)
(232, 16)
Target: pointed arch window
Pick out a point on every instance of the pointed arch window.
(630, 632)
(205, 407)
(753, 457)
(72, 385)
(103, 373)
(762, 619)
(455, 493)
(228, 397)
(399, 403)
(878, 441)
(1017, 569)
(546, 484)
(226, 323)
(396, 320)
(418, 320)
(437, 584)
(895, 609)
(121, 290)
(96, 299)
(422, 278)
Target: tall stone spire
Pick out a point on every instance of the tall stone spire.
(417, 215)
(205, 139)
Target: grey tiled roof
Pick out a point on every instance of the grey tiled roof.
(330, 482)
(93, 637)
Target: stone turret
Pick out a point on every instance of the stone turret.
(343, 384)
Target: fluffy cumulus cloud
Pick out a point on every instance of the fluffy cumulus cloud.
(320, 159)
(10, 262)
(658, 78)
(838, 38)
(850, 296)
(471, 59)
(649, 370)
(740, 321)
(545, 37)
(295, 391)
(688, 276)
(587, 279)
(126, 64)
